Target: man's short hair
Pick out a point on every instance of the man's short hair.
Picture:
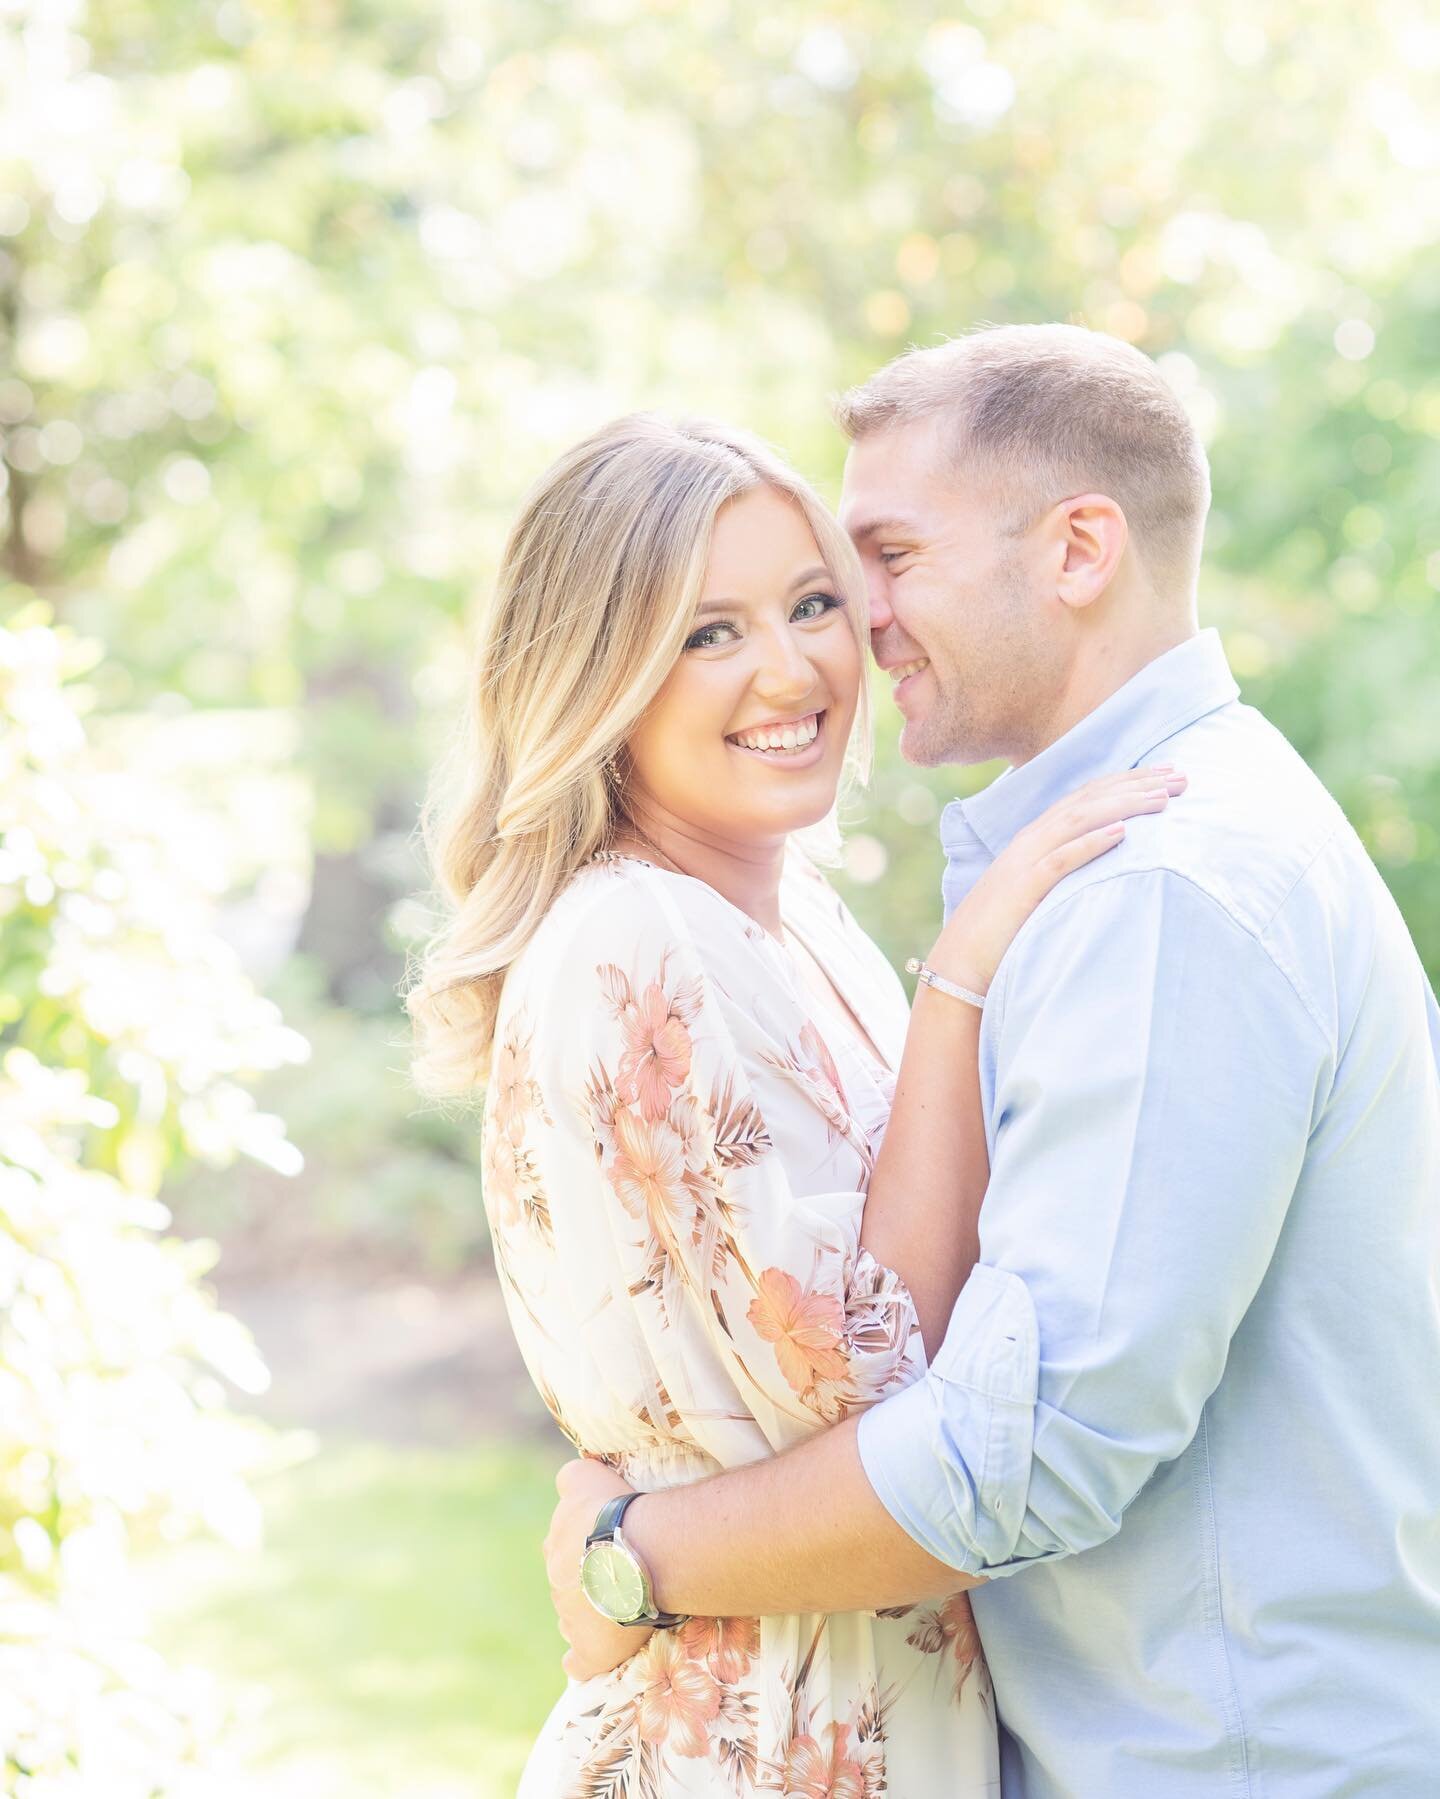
(1038, 412)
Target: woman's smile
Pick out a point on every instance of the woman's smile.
(797, 742)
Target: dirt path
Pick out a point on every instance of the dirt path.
(401, 1359)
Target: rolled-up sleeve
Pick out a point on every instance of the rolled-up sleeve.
(1154, 1077)
(955, 1447)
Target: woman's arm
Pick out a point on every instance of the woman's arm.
(923, 1204)
(922, 1208)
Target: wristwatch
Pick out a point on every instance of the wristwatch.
(614, 1579)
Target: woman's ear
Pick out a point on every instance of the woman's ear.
(1090, 538)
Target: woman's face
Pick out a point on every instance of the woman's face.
(746, 739)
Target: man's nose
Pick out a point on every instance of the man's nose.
(882, 613)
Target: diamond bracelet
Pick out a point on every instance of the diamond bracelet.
(929, 978)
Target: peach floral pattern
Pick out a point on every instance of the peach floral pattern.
(804, 1327)
(513, 1185)
(680, 1700)
(809, 1063)
(656, 1059)
(824, 1768)
(726, 1646)
(675, 1164)
(950, 1633)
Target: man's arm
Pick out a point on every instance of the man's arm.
(800, 1532)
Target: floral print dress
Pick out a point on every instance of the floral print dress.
(675, 1167)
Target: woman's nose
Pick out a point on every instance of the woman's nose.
(785, 671)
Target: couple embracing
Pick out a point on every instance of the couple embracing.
(1031, 1390)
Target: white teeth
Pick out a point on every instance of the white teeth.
(781, 737)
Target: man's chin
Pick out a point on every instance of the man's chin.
(920, 747)
(927, 743)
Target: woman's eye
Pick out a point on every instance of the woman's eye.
(815, 605)
(706, 638)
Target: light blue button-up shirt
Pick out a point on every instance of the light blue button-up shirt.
(1186, 1417)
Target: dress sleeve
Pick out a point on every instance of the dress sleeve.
(739, 1267)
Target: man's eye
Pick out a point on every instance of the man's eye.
(889, 556)
(815, 605)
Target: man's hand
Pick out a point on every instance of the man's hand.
(596, 1645)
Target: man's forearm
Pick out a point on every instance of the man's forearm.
(802, 1532)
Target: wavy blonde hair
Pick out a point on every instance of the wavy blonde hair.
(596, 594)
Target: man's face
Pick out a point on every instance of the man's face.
(960, 613)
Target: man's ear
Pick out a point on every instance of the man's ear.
(1089, 538)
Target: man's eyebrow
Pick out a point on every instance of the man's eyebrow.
(818, 573)
(893, 525)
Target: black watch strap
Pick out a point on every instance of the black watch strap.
(607, 1519)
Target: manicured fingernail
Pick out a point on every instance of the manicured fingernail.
(1115, 831)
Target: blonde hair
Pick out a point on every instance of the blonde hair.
(1036, 412)
(596, 594)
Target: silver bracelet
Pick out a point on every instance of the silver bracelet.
(929, 978)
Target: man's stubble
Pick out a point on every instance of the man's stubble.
(995, 691)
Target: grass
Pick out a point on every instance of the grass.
(394, 1638)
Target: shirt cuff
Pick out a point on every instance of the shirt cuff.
(949, 1458)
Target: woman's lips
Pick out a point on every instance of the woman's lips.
(801, 756)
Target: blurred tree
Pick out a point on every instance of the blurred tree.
(298, 298)
(127, 1030)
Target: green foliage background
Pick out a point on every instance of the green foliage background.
(298, 297)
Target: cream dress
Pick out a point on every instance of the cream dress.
(675, 1165)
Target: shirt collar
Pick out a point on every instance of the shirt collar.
(1168, 694)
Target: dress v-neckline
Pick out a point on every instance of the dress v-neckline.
(854, 1029)
(875, 1065)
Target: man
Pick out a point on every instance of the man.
(1181, 1436)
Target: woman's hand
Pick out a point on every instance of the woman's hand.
(1077, 829)
(596, 1645)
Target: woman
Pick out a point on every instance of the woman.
(692, 1054)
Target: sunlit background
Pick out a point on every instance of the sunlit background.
(295, 299)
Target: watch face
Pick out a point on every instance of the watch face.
(612, 1582)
